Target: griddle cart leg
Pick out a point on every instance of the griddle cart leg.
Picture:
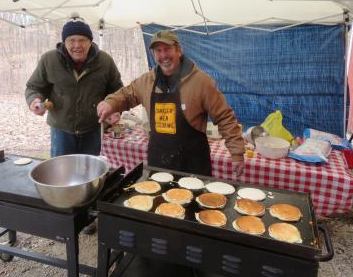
(72, 256)
(103, 260)
(12, 239)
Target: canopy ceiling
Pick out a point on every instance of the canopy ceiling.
(128, 13)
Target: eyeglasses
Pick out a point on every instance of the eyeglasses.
(75, 41)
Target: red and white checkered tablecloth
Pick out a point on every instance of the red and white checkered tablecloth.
(330, 185)
(128, 151)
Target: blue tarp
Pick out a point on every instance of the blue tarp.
(299, 71)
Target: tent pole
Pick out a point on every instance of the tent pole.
(345, 87)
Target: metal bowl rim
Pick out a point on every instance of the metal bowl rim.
(75, 185)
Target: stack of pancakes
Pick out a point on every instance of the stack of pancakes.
(171, 210)
(178, 196)
(211, 217)
(212, 200)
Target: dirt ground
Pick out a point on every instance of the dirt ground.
(19, 267)
(25, 134)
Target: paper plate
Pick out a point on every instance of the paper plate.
(192, 183)
(220, 187)
(252, 194)
(162, 177)
(22, 161)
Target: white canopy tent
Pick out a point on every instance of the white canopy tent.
(115, 15)
(125, 14)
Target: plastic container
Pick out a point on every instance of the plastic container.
(272, 147)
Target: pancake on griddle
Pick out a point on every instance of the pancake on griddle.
(191, 183)
(285, 212)
(249, 224)
(139, 202)
(285, 232)
(147, 187)
(212, 200)
(252, 194)
(220, 187)
(162, 177)
(171, 209)
(249, 207)
(211, 217)
(178, 196)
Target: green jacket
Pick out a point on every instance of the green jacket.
(75, 96)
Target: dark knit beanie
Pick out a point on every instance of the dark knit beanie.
(76, 26)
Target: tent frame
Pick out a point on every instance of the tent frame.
(196, 4)
(18, 17)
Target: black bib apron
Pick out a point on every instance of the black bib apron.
(185, 150)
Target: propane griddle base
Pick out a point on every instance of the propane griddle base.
(188, 249)
(140, 266)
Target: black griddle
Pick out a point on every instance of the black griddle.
(135, 228)
(16, 186)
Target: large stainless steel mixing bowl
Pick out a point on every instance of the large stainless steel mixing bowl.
(70, 180)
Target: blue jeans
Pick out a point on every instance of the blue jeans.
(63, 143)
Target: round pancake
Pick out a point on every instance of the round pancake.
(139, 202)
(212, 200)
(211, 217)
(285, 232)
(171, 209)
(252, 194)
(178, 196)
(147, 187)
(249, 207)
(220, 187)
(285, 212)
(249, 224)
(191, 183)
(162, 177)
(22, 161)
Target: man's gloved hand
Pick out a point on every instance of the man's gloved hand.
(238, 167)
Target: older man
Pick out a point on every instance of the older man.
(74, 77)
(179, 98)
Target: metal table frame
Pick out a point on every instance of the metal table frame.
(22, 210)
(63, 227)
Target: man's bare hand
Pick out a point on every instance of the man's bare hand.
(104, 110)
(238, 168)
(37, 107)
(113, 118)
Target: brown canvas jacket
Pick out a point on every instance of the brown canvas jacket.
(199, 98)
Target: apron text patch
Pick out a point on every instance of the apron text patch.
(165, 118)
